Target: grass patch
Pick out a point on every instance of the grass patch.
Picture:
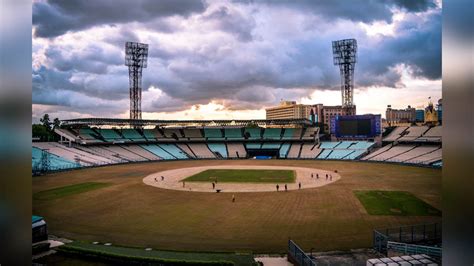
(243, 176)
(394, 203)
(60, 192)
(140, 255)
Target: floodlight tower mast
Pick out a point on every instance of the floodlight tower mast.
(136, 55)
(345, 56)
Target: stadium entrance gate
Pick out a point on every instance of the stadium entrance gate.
(263, 152)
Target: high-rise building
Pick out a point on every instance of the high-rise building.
(400, 116)
(288, 110)
(317, 113)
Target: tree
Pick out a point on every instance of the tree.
(46, 122)
(56, 123)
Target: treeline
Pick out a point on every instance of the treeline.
(45, 130)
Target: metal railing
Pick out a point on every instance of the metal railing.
(411, 249)
(298, 256)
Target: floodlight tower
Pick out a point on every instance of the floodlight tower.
(136, 55)
(345, 56)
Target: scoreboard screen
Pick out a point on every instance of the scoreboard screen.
(356, 126)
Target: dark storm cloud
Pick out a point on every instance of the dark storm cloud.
(355, 10)
(56, 17)
(231, 20)
(226, 54)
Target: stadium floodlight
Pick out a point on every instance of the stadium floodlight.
(136, 55)
(345, 56)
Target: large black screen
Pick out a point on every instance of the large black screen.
(354, 127)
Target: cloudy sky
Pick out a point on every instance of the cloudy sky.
(231, 59)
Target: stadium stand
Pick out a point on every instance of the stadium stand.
(427, 158)
(141, 152)
(292, 134)
(124, 153)
(158, 151)
(271, 145)
(201, 150)
(172, 133)
(236, 150)
(413, 133)
(233, 134)
(57, 150)
(55, 162)
(184, 147)
(309, 133)
(272, 133)
(285, 147)
(254, 133)
(193, 134)
(132, 134)
(110, 135)
(324, 154)
(362, 145)
(339, 154)
(309, 151)
(219, 149)
(432, 135)
(344, 145)
(328, 145)
(294, 151)
(412, 154)
(395, 134)
(154, 134)
(173, 150)
(213, 134)
(392, 152)
(253, 145)
(88, 135)
(288, 133)
(377, 152)
(355, 155)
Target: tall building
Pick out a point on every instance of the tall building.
(288, 110)
(400, 116)
(318, 113)
(431, 115)
(420, 115)
(332, 111)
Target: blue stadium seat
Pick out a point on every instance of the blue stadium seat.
(284, 150)
(218, 147)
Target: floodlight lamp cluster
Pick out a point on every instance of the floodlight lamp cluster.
(136, 54)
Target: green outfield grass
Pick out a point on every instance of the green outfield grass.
(243, 176)
(60, 192)
(401, 203)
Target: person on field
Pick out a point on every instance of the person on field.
(286, 188)
(233, 198)
(278, 187)
(330, 177)
(317, 176)
(311, 175)
(183, 184)
(299, 185)
(162, 178)
(326, 176)
(213, 185)
(155, 179)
